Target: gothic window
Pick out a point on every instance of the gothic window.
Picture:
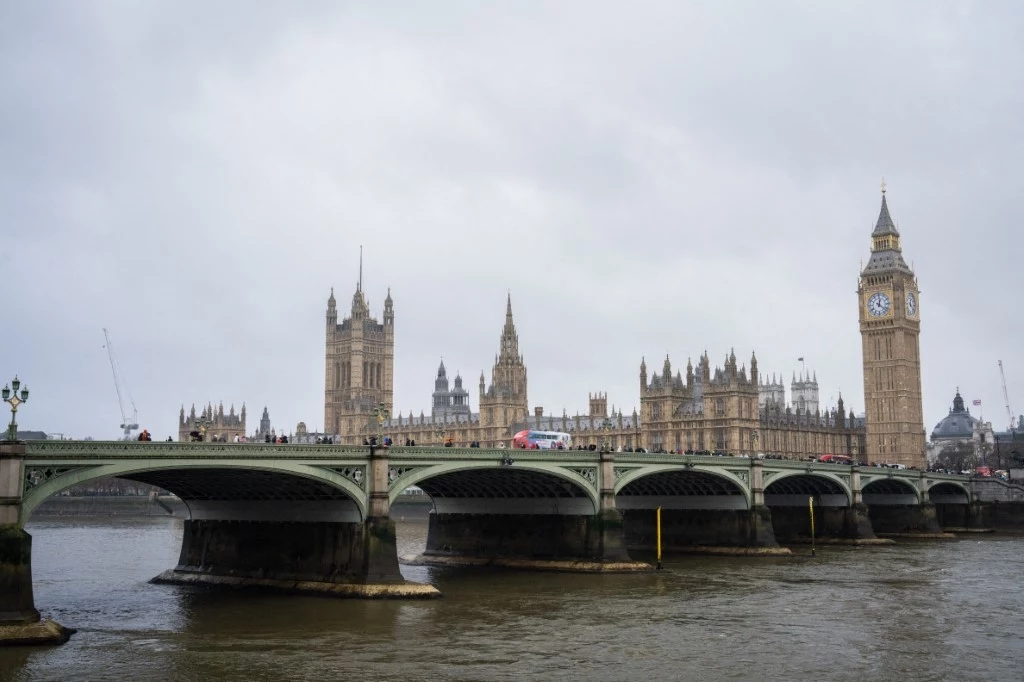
(337, 375)
(379, 382)
(656, 411)
(719, 407)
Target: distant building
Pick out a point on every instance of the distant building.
(803, 390)
(771, 391)
(265, 429)
(212, 423)
(959, 427)
(448, 402)
(1009, 448)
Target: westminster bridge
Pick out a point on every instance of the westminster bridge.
(317, 517)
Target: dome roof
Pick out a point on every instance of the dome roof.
(957, 424)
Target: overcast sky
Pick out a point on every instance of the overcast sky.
(643, 178)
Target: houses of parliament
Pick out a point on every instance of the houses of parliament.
(728, 408)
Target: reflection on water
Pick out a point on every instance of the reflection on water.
(915, 611)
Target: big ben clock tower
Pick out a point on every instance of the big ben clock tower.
(890, 326)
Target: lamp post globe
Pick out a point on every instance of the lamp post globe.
(606, 426)
(10, 396)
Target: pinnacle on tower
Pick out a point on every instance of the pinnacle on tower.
(884, 224)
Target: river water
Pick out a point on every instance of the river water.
(935, 610)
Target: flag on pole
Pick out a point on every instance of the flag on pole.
(799, 359)
(976, 403)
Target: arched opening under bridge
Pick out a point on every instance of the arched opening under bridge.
(699, 508)
(790, 499)
(499, 513)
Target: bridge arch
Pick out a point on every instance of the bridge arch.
(311, 490)
(794, 488)
(672, 487)
(890, 490)
(527, 487)
(949, 492)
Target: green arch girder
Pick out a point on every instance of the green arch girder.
(778, 475)
(907, 483)
(642, 472)
(563, 471)
(963, 488)
(40, 493)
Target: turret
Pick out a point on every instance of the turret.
(666, 370)
(754, 378)
(643, 376)
(389, 310)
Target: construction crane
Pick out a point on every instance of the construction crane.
(129, 422)
(1006, 396)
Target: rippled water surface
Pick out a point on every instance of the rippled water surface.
(939, 610)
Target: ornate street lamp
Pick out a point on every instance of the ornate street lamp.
(439, 432)
(606, 426)
(754, 437)
(202, 425)
(382, 413)
(10, 395)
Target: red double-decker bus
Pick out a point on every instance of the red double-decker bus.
(836, 459)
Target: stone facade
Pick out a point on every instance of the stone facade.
(721, 410)
(212, 423)
(890, 327)
(360, 361)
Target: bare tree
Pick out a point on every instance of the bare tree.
(957, 457)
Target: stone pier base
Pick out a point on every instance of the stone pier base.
(906, 520)
(19, 619)
(537, 541)
(832, 525)
(720, 531)
(31, 634)
(404, 590)
(554, 565)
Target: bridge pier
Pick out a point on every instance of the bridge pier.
(906, 520)
(20, 622)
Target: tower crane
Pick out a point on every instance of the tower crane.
(1006, 396)
(129, 422)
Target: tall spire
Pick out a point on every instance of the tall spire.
(886, 252)
(884, 224)
(509, 338)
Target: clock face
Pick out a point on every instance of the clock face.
(911, 304)
(878, 304)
